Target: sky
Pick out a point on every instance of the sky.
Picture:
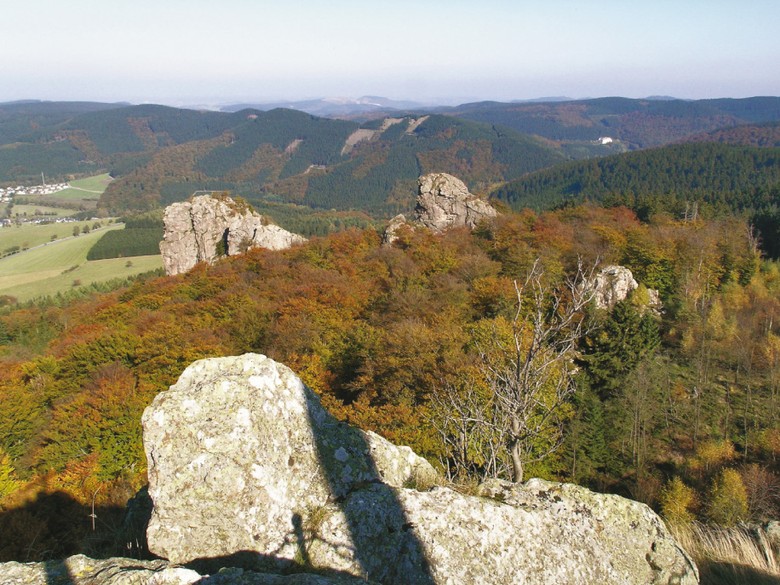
(187, 52)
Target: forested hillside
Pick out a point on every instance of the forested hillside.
(159, 154)
(636, 122)
(330, 164)
(718, 178)
(405, 340)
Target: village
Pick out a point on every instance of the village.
(7, 195)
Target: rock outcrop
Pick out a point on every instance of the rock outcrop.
(246, 467)
(443, 202)
(81, 570)
(614, 283)
(208, 227)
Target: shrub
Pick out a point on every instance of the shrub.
(728, 499)
(677, 502)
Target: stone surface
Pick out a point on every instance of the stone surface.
(443, 202)
(206, 227)
(243, 435)
(611, 285)
(390, 234)
(245, 467)
(81, 570)
(614, 283)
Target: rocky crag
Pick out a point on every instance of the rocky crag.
(248, 471)
(443, 202)
(612, 284)
(208, 227)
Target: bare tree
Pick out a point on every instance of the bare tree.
(464, 416)
(531, 373)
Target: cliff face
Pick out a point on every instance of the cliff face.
(206, 228)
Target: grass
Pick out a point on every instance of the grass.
(95, 271)
(29, 211)
(62, 265)
(28, 236)
(97, 183)
(730, 556)
(90, 188)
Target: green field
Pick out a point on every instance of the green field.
(28, 236)
(62, 265)
(84, 189)
(31, 211)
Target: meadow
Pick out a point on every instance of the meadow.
(28, 211)
(31, 235)
(87, 188)
(61, 265)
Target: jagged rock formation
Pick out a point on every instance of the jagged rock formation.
(443, 202)
(613, 284)
(245, 466)
(207, 227)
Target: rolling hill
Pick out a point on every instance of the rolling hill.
(637, 123)
(159, 155)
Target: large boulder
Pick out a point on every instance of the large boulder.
(239, 450)
(208, 227)
(245, 467)
(443, 202)
(614, 283)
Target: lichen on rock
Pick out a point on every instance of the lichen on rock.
(246, 467)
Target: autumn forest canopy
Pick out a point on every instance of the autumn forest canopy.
(675, 404)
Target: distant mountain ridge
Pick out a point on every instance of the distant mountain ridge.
(332, 107)
(325, 163)
(639, 123)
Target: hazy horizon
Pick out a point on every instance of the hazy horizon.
(200, 53)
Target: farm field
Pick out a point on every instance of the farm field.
(31, 211)
(29, 236)
(62, 265)
(87, 188)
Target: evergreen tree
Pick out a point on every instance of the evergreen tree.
(624, 338)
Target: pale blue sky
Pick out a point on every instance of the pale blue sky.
(215, 51)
